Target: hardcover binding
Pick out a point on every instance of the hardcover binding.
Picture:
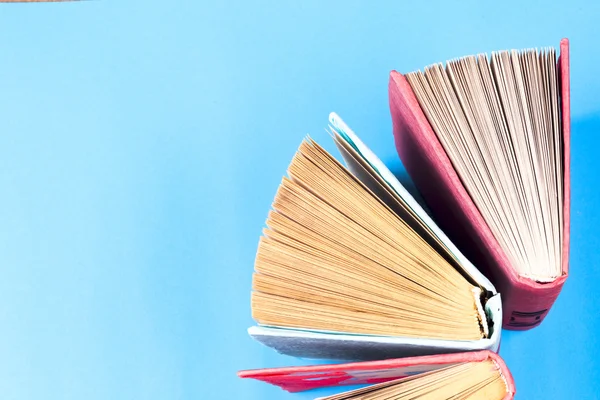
(525, 301)
(297, 379)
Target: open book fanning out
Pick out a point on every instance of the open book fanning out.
(350, 267)
(486, 140)
(476, 375)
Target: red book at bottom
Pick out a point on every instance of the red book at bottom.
(297, 379)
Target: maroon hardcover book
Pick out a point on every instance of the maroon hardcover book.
(525, 301)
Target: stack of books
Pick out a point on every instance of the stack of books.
(350, 267)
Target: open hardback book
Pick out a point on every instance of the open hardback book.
(486, 141)
(473, 375)
(350, 267)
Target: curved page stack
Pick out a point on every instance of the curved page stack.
(487, 142)
(474, 375)
(350, 267)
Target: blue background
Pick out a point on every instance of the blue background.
(142, 142)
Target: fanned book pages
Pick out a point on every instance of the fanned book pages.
(351, 267)
(475, 375)
(486, 140)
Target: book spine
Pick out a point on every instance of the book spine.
(510, 383)
(527, 302)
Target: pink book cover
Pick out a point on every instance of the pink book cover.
(297, 379)
(525, 301)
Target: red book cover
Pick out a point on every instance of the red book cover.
(297, 379)
(525, 301)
